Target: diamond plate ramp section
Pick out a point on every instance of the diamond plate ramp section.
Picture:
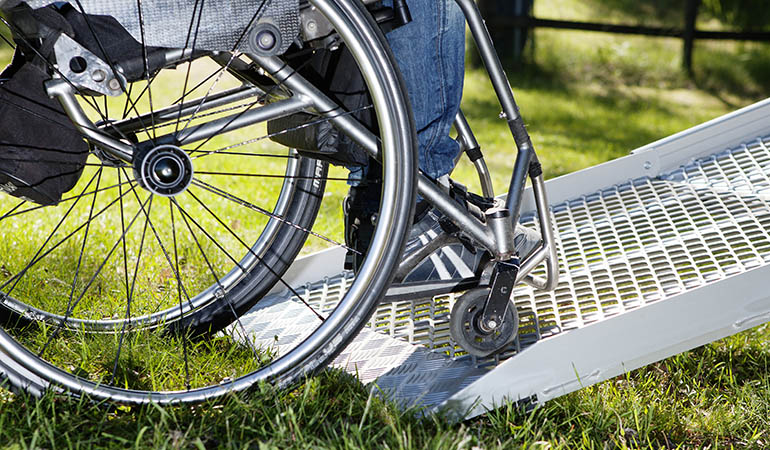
(406, 373)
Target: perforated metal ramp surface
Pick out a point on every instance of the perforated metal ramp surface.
(625, 248)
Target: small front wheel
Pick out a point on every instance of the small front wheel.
(474, 336)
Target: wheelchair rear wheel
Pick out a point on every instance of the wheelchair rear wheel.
(198, 233)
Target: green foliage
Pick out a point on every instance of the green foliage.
(741, 14)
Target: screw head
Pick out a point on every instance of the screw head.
(266, 40)
(114, 84)
(98, 75)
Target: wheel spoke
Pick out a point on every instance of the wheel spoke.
(272, 135)
(179, 293)
(125, 104)
(79, 264)
(58, 244)
(163, 248)
(108, 60)
(257, 15)
(85, 241)
(146, 68)
(258, 155)
(264, 175)
(130, 297)
(189, 63)
(249, 249)
(63, 163)
(74, 305)
(8, 214)
(261, 99)
(69, 199)
(20, 275)
(53, 67)
(64, 125)
(225, 295)
(246, 204)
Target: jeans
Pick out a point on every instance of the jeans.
(430, 51)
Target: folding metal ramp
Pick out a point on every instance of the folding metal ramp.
(665, 250)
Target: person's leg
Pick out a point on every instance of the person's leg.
(430, 52)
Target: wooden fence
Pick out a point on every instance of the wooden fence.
(688, 33)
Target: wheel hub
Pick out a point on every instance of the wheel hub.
(164, 170)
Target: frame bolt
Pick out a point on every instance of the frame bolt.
(98, 75)
(114, 84)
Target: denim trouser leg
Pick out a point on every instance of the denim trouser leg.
(430, 52)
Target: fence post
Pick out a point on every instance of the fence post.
(509, 42)
(690, 15)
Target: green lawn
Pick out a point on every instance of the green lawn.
(586, 98)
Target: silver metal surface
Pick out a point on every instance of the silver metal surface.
(398, 190)
(628, 252)
(65, 94)
(548, 251)
(485, 178)
(179, 112)
(95, 75)
(243, 119)
(462, 218)
(468, 141)
(502, 228)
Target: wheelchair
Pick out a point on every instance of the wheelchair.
(152, 198)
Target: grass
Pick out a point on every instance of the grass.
(587, 98)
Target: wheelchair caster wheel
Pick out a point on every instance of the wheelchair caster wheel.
(477, 338)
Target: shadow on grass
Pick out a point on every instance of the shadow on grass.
(726, 74)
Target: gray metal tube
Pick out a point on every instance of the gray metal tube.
(464, 131)
(244, 119)
(469, 224)
(64, 94)
(489, 57)
(505, 95)
(193, 106)
(345, 122)
(468, 141)
(548, 251)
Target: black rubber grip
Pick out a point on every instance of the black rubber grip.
(403, 15)
(520, 134)
(535, 168)
(474, 154)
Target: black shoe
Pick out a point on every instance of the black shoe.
(450, 260)
(360, 208)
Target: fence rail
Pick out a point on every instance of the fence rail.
(533, 22)
(688, 33)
